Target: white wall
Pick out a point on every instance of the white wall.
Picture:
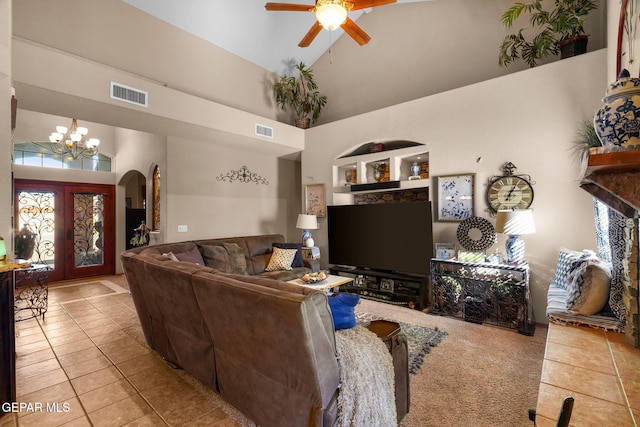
(420, 49)
(6, 195)
(529, 118)
(210, 207)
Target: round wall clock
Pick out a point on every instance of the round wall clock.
(509, 191)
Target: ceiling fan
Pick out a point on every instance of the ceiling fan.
(331, 14)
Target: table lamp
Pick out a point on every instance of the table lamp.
(515, 223)
(306, 223)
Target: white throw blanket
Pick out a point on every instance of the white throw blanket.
(367, 384)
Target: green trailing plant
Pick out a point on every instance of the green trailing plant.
(300, 94)
(559, 25)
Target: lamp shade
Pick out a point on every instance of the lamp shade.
(307, 222)
(515, 222)
(3, 249)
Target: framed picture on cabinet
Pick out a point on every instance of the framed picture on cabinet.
(456, 201)
(315, 200)
(445, 250)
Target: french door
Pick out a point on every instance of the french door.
(73, 224)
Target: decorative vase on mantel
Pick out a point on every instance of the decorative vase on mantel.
(378, 171)
(303, 122)
(617, 122)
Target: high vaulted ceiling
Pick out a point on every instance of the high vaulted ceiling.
(245, 28)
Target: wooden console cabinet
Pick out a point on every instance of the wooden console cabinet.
(407, 290)
(482, 292)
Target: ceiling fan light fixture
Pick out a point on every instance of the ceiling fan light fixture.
(331, 13)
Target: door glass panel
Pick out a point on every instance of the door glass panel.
(36, 212)
(88, 233)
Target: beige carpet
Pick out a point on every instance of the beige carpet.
(479, 375)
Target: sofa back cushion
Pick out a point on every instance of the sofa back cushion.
(257, 249)
(300, 366)
(225, 257)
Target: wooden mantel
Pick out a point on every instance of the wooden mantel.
(614, 179)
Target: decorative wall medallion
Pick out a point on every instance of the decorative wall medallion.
(243, 175)
(476, 234)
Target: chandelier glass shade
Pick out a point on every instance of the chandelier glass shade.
(331, 13)
(73, 141)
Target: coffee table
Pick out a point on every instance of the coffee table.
(327, 284)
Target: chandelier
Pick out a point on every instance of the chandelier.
(72, 141)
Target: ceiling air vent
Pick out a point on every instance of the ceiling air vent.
(129, 94)
(265, 131)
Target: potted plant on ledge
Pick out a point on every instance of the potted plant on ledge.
(561, 31)
(301, 95)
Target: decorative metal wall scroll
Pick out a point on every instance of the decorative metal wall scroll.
(243, 175)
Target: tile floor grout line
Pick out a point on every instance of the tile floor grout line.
(111, 361)
(84, 410)
(619, 380)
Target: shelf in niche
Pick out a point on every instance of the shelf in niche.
(381, 186)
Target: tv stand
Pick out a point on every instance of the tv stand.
(409, 290)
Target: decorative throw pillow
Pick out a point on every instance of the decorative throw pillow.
(589, 285)
(566, 258)
(281, 259)
(237, 261)
(342, 307)
(215, 256)
(297, 260)
(171, 256)
(191, 256)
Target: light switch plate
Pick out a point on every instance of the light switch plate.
(183, 229)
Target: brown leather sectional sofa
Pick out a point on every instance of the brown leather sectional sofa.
(267, 346)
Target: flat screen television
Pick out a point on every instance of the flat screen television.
(393, 237)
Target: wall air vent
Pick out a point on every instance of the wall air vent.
(129, 94)
(265, 131)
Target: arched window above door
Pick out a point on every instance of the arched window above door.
(38, 154)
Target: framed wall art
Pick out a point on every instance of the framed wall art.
(315, 200)
(456, 201)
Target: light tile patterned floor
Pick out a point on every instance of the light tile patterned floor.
(80, 363)
(599, 369)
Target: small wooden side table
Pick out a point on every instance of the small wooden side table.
(386, 331)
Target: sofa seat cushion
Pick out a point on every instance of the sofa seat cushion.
(285, 275)
(557, 312)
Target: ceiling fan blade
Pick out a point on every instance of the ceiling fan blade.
(288, 7)
(357, 33)
(363, 4)
(313, 32)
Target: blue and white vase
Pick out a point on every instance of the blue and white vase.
(617, 122)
